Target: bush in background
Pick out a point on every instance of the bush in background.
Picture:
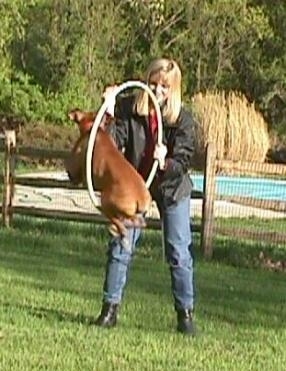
(237, 129)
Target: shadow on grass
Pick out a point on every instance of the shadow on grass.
(52, 315)
(248, 253)
(58, 227)
(128, 319)
(243, 297)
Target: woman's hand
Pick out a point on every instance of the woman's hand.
(107, 94)
(160, 153)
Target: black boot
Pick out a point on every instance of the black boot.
(185, 322)
(108, 315)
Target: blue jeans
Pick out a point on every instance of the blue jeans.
(178, 244)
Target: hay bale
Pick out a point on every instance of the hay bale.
(238, 130)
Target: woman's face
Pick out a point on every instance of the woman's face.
(158, 84)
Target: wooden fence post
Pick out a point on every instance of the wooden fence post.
(9, 174)
(208, 201)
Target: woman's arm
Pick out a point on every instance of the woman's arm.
(119, 110)
(181, 159)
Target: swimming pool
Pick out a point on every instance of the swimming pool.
(267, 189)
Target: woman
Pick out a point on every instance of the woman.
(135, 132)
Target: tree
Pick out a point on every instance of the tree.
(12, 27)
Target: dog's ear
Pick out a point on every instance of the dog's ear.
(83, 119)
(76, 115)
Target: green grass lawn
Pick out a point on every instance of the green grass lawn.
(51, 275)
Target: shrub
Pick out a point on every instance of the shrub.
(233, 124)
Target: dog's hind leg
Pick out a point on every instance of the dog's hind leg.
(136, 221)
(117, 227)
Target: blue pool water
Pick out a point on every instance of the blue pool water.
(267, 189)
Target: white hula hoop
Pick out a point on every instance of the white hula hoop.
(97, 121)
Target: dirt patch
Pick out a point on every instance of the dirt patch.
(40, 135)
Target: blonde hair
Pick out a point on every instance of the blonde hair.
(171, 73)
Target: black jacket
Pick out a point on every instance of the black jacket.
(130, 131)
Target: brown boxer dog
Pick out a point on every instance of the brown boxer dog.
(124, 196)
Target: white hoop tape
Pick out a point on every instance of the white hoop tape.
(97, 121)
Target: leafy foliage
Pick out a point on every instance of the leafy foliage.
(60, 53)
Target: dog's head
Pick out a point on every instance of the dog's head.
(83, 119)
(75, 162)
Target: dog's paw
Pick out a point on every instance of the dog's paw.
(113, 230)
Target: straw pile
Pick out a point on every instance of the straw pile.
(229, 121)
